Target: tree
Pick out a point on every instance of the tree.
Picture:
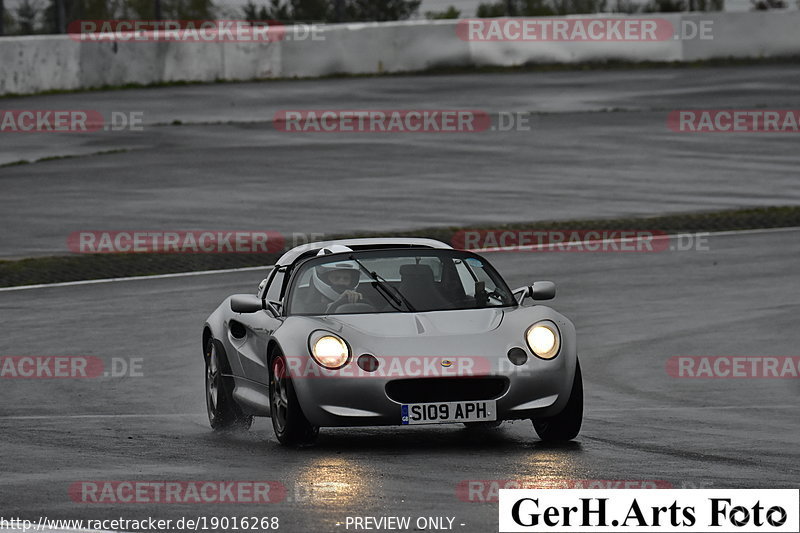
(289, 10)
(672, 6)
(538, 8)
(332, 10)
(380, 10)
(764, 5)
(449, 13)
(627, 6)
(568, 7)
(170, 9)
(27, 15)
(60, 13)
(313, 10)
(487, 10)
(252, 12)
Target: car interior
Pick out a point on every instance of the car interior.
(418, 283)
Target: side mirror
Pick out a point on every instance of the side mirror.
(540, 290)
(543, 290)
(246, 303)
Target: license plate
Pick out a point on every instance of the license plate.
(448, 412)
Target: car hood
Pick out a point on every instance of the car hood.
(476, 332)
(435, 323)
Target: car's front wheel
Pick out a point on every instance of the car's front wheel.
(567, 424)
(223, 413)
(292, 428)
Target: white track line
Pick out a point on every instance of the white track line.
(134, 278)
(532, 247)
(689, 408)
(51, 417)
(499, 249)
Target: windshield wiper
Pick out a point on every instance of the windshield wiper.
(392, 295)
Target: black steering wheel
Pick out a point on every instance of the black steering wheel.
(358, 307)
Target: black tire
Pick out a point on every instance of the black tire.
(291, 426)
(567, 424)
(223, 412)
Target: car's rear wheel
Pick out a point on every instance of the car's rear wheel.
(567, 424)
(292, 428)
(223, 412)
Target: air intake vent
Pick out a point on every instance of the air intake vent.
(424, 390)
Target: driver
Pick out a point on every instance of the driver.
(334, 283)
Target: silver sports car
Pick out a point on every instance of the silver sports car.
(392, 331)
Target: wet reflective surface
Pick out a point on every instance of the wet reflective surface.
(632, 311)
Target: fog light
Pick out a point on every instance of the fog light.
(517, 356)
(368, 362)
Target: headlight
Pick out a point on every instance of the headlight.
(543, 340)
(329, 350)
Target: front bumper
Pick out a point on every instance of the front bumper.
(353, 398)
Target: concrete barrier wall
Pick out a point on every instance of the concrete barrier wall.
(742, 35)
(35, 64)
(512, 53)
(375, 48)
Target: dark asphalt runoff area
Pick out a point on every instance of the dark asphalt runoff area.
(633, 311)
(209, 157)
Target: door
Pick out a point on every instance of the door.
(249, 333)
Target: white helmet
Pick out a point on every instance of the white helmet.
(320, 276)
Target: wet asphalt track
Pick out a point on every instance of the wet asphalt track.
(633, 311)
(598, 146)
(226, 168)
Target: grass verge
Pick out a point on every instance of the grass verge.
(98, 266)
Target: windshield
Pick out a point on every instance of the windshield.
(391, 281)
